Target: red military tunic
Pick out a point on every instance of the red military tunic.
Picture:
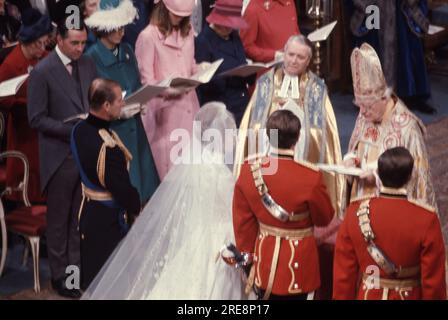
(297, 188)
(20, 136)
(271, 23)
(408, 234)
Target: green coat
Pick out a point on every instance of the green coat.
(123, 69)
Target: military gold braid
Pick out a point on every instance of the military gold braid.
(279, 234)
(110, 141)
(375, 252)
(269, 203)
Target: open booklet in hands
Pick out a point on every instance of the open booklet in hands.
(149, 91)
(10, 87)
(246, 70)
(341, 169)
(135, 102)
(76, 117)
(127, 112)
(348, 171)
(250, 68)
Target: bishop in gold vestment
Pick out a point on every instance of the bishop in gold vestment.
(292, 87)
(384, 122)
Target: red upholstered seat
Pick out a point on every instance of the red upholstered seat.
(30, 221)
(35, 210)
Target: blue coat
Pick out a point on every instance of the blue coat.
(232, 91)
(124, 70)
(410, 69)
(91, 39)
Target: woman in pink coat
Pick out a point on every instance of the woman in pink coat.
(165, 48)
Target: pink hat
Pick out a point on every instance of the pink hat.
(182, 8)
(227, 13)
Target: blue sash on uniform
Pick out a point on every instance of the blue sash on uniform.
(85, 180)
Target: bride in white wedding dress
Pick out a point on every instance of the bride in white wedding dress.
(172, 250)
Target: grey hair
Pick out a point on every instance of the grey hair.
(302, 40)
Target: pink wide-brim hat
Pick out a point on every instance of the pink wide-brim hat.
(182, 8)
(369, 83)
(227, 13)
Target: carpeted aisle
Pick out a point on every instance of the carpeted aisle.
(437, 144)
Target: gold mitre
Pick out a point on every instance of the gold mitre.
(369, 83)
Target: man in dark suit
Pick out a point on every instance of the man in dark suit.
(110, 200)
(57, 90)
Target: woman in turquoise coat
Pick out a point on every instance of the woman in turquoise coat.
(116, 60)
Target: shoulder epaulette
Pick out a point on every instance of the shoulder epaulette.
(423, 205)
(107, 138)
(307, 164)
(121, 145)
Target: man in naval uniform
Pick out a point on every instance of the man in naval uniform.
(274, 215)
(391, 242)
(110, 201)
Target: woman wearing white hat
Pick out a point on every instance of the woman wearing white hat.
(115, 60)
(165, 48)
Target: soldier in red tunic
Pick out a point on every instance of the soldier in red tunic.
(274, 215)
(390, 247)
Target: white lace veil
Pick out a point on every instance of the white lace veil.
(171, 250)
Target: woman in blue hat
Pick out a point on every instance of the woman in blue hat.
(115, 60)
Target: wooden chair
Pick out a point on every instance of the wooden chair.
(27, 220)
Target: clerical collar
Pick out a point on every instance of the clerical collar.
(393, 192)
(290, 83)
(282, 153)
(97, 122)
